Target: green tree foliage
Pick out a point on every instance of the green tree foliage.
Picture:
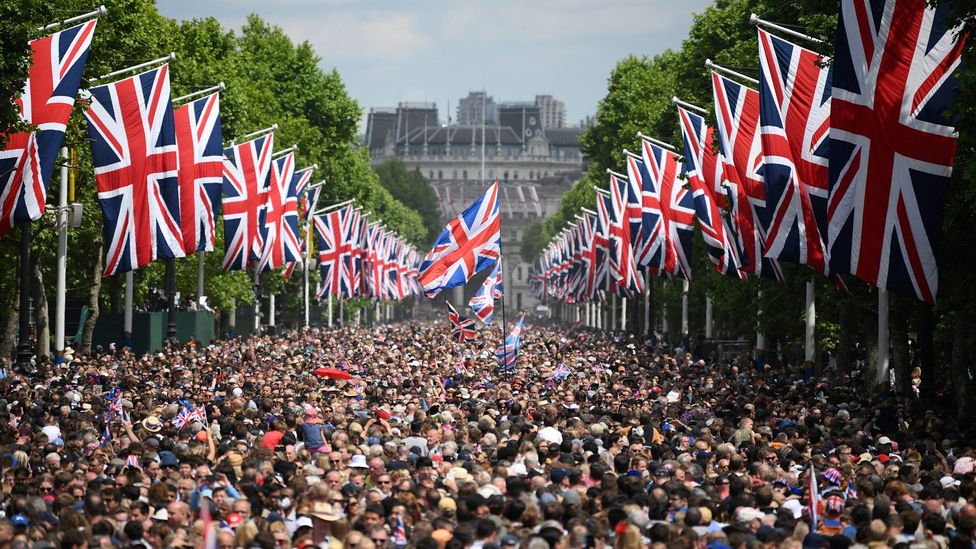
(270, 79)
(412, 189)
(638, 99)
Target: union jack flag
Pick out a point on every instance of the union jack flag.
(133, 141)
(332, 229)
(201, 154)
(507, 353)
(245, 171)
(590, 256)
(560, 373)
(470, 243)
(27, 160)
(462, 328)
(703, 169)
(355, 263)
(737, 116)
(483, 302)
(622, 261)
(892, 143)
(183, 418)
(794, 114)
(106, 437)
(649, 245)
(601, 243)
(281, 242)
(676, 207)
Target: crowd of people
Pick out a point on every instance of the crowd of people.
(594, 440)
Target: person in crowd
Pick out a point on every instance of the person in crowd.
(594, 440)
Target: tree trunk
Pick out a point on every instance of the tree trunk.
(925, 326)
(9, 337)
(900, 362)
(43, 326)
(115, 294)
(93, 294)
(845, 340)
(961, 358)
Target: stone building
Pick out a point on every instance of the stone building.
(534, 165)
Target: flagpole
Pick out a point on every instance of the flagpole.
(127, 315)
(883, 339)
(76, 19)
(164, 59)
(62, 259)
(811, 321)
(755, 20)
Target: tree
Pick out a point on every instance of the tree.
(412, 189)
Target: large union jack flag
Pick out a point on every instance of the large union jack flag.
(794, 114)
(590, 258)
(246, 168)
(482, 303)
(133, 141)
(737, 126)
(281, 243)
(332, 230)
(201, 153)
(703, 169)
(601, 244)
(27, 160)
(676, 207)
(892, 144)
(507, 353)
(470, 242)
(623, 264)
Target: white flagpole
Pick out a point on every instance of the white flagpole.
(755, 20)
(201, 258)
(884, 365)
(232, 320)
(760, 334)
(811, 321)
(164, 59)
(684, 308)
(271, 310)
(200, 93)
(708, 317)
(62, 259)
(127, 318)
(76, 19)
(623, 314)
(718, 68)
(329, 307)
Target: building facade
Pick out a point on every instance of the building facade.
(534, 166)
(469, 109)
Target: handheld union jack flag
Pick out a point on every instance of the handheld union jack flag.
(702, 167)
(201, 155)
(737, 116)
(892, 143)
(794, 113)
(470, 243)
(483, 302)
(462, 328)
(332, 229)
(183, 418)
(27, 160)
(507, 353)
(245, 170)
(622, 262)
(281, 243)
(676, 206)
(133, 141)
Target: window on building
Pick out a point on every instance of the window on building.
(531, 174)
(431, 175)
(506, 175)
(440, 174)
(464, 174)
(515, 175)
(454, 175)
(518, 273)
(518, 300)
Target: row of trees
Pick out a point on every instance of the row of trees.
(639, 99)
(270, 79)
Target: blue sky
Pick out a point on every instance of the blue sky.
(437, 50)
